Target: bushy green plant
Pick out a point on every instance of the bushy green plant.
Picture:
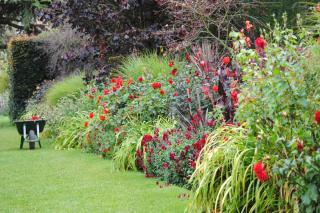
(27, 69)
(147, 64)
(71, 85)
(279, 101)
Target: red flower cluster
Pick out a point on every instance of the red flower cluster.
(146, 138)
(174, 72)
(118, 82)
(226, 60)
(317, 117)
(200, 143)
(234, 96)
(34, 118)
(260, 43)
(106, 92)
(260, 171)
(156, 85)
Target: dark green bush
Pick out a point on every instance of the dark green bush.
(27, 69)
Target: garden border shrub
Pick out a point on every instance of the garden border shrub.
(27, 69)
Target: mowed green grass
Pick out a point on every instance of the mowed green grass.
(47, 180)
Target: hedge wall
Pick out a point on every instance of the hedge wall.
(27, 69)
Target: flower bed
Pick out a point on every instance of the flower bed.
(242, 132)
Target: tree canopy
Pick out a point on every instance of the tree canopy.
(20, 15)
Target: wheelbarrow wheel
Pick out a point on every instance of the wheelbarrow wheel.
(32, 138)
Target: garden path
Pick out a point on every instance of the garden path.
(47, 180)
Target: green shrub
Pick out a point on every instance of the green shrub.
(279, 102)
(68, 86)
(147, 65)
(27, 69)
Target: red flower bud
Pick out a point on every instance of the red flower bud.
(226, 60)
(102, 117)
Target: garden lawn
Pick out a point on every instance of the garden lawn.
(47, 180)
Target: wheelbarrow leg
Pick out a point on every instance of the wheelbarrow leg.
(39, 144)
(21, 142)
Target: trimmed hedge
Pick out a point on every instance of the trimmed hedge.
(27, 69)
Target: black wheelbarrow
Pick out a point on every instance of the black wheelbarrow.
(30, 132)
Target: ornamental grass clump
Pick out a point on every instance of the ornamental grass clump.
(224, 179)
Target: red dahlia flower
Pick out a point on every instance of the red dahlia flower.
(172, 156)
(116, 129)
(91, 115)
(260, 43)
(165, 165)
(234, 96)
(226, 60)
(260, 171)
(193, 164)
(215, 88)
(86, 124)
(106, 111)
(170, 81)
(317, 117)
(106, 92)
(156, 85)
(102, 117)
(171, 63)
(174, 72)
(140, 79)
(146, 138)
(188, 81)
(162, 92)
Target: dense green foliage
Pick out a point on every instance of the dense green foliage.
(27, 69)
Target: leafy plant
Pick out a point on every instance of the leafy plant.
(147, 65)
(71, 85)
(279, 102)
